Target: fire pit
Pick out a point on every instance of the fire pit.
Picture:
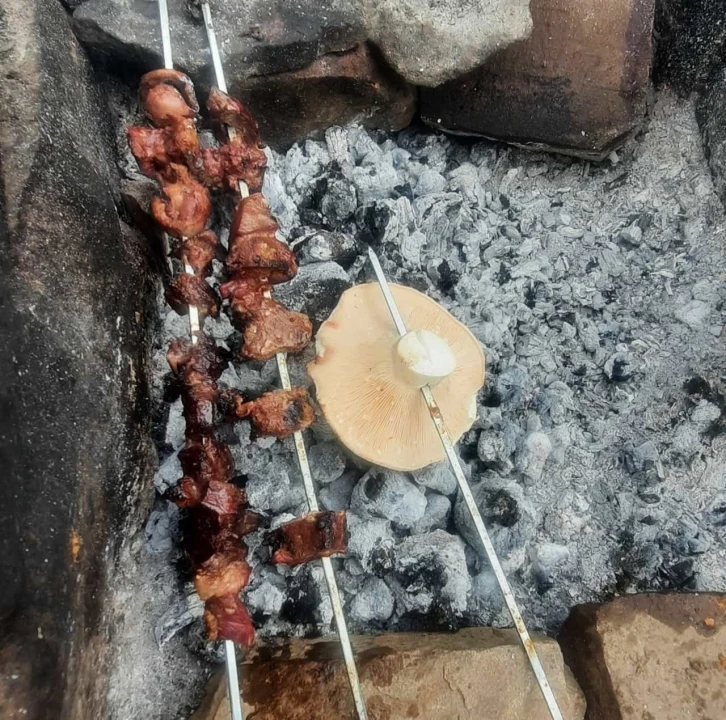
(596, 456)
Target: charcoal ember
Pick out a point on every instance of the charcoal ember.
(619, 367)
(266, 599)
(507, 514)
(390, 495)
(372, 602)
(319, 246)
(436, 516)
(270, 487)
(327, 462)
(431, 570)
(339, 202)
(370, 540)
(315, 290)
(549, 563)
(514, 386)
(337, 495)
(438, 477)
(532, 455)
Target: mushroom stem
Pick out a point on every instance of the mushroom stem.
(423, 358)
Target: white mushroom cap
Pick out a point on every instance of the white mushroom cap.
(368, 378)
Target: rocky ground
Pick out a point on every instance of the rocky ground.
(599, 454)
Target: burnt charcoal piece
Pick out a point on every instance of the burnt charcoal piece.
(253, 247)
(185, 290)
(226, 618)
(224, 573)
(503, 509)
(316, 535)
(278, 414)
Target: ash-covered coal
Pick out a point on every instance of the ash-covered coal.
(599, 455)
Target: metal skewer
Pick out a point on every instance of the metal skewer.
(455, 463)
(230, 658)
(302, 456)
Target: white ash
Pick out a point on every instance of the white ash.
(599, 450)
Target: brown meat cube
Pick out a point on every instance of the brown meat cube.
(278, 413)
(226, 618)
(313, 536)
(185, 290)
(224, 573)
(184, 207)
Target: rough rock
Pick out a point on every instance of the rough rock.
(389, 495)
(429, 42)
(577, 84)
(337, 88)
(255, 38)
(712, 120)
(689, 40)
(407, 675)
(74, 426)
(650, 656)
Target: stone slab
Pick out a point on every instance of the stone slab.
(475, 674)
(577, 85)
(650, 656)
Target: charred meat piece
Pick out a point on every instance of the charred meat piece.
(253, 247)
(225, 110)
(226, 618)
(247, 522)
(188, 492)
(161, 104)
(185, 290)
(199, 251)
(223, 498)
(207, 460)
(193, 361)
(315, 535)
(267, 326)
(154, 150)
(184, 207)
(278, 414)
(200, 408)
(206, 532)
(227, 165)
(274, 329)
(224, 573)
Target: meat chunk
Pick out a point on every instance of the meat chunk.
(247, 522)
(225, 166)
(315, 535)
(278, 414)
(253, 247)
(207, 460)
(195, 361)
(225, 110)
(154, 150)
(187, 493)
(199, 251)
(224, 573)
(274, 329)
(184, 207)
(200, 409)
(185, 290)
(223, 498)
(226, 618)
(168, 96)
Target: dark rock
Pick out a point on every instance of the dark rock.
(255, 38)
(336, 89)
(73, 406)
(711, 114)
(689, 40)
(577, 85)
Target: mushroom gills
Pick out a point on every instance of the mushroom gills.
(423, 358)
